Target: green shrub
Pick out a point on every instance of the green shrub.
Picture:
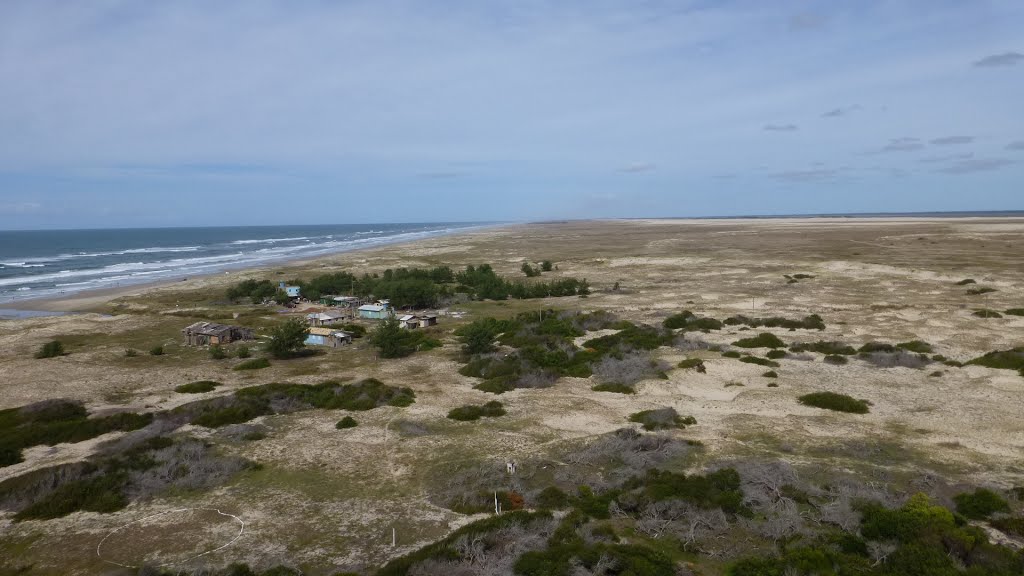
(242, 351)
(812, 322)
(833, 401)
(254, 364)
(491, 409)
(551, 498)
(197, 387)
(980, 504)
(871, 347)
(918, 346)
(689, 321)
(546, 266)
(762, 340)
(835, 359)
(775, 354)
(759, 361)
(356, 330)
(662, 419)
(51, 349)
(773, 385)
(288, 339)
(824, 347)
(156, 351)
(731, 354)
(614, 387)
(982, 290)
(496, 385)
(217, 352)
(770, 374)
(1009, 525)
(689, 363)
(986, 313)
(1012, 359)
(346, 422)
(966, 281)
(1015, 312)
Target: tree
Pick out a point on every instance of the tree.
(390, 339)
(546, 266)
(478, 337)
(288, 338)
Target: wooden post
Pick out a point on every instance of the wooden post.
(392, 537)
(495, 502)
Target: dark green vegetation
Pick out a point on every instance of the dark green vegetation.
(688, 321)
(986, 313)
(139, 465)
(918, 346)
(288, 339)
(416, 287)
(197, 387)
(759, 361)
(981, 290)
(837, 402)
(662, 419)
(776, 354)
(346, 422)
(491, 409)
(54, 422)
(254, 364)
(812, 322)
(692, 363)
(615, 387)
(540, 349)
(393, 341)
(156, 351)
(824, 347)
(217, 352)
(1012, 359)
(980, 504)
(770, 374)
(835, 359)
(966, 281)
(248, 403)
(731, 354)
(51, 349)
(530, 271)
(762, 340)
(1015, 312)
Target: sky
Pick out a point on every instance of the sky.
(120, 114)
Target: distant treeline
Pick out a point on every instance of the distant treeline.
(416, 287)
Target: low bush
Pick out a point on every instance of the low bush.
(614, 387)
(689, 321)
(986, 313)
(833, 401)
(982, 290)
(980, 504)
(762, 340)
(242, 351)
(966, 281)
(770, 374)
(759, 361)
(1012, 359)
(812, 322)
(1014, 312)
(51, 349)
(346, 422)
(55, 422)
(693, 364)
(731, 354)
(551, 498)
(356, 330)
(775, 354)
(156, 351)
(469, 412)
(662, 419)
(824, 347)
(197, 387)
(217, 352)
(1013, 525)
(899, 358)
(835, 359)
(918, 346)
(876, 347)
(254, 364)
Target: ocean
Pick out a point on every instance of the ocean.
(47, 263)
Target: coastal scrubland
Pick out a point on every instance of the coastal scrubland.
(721, 397)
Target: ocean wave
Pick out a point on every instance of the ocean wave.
(274, 240)
(21, 265)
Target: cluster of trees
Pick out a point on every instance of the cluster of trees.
(416, 287)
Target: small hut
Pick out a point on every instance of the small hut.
(211, 333)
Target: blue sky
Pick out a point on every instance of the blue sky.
(207, 113)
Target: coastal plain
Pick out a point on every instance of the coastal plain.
(327, 500)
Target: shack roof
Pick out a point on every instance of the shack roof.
(407, 317)
(318, 331)
(372, 308)
(207, 328)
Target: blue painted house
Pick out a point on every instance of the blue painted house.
(378, 311)
(291, 291)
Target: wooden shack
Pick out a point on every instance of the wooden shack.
(210, 333)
